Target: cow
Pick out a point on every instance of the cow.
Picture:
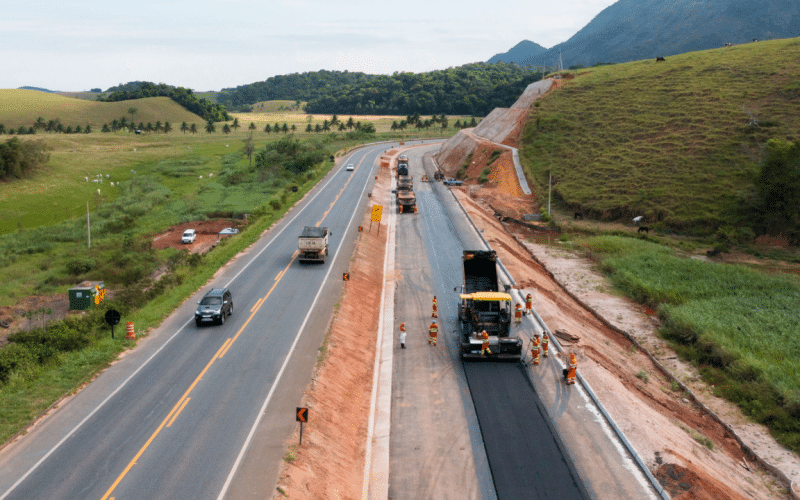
(644, 229)
(727, 45)
(659, 59)
(637, 219)
(578, 215)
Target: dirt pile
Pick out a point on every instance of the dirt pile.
(207, 235)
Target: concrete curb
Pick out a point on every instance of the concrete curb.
(376, 461)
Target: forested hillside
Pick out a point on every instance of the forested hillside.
(472, 89)
(185, 97)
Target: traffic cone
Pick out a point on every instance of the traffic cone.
(131, 334)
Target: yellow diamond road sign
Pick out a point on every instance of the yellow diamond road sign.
(376, 213)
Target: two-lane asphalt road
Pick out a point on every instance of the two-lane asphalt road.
(205, 412)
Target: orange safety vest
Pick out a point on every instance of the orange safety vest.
(529, 301)
(485, 344)
(518, 313)
(434, 330)
(545, 342)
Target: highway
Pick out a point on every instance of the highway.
(205, 412)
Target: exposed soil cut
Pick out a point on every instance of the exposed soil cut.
(207, 235)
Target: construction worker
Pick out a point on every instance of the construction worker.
(434, 332)
(545, 343)
(517, 314)
(485, 344)
(528, 304)
(535, 349)
(572, 368)
(435, 313)
(403, 335)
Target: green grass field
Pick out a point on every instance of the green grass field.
(669, 140)
(739, 325)
(22, 108)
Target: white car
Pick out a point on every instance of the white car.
(350, 167)
(189, 236)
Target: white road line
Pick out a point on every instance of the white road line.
(263, 409)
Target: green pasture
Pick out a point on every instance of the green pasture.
(671, 140)
(741, 326)
(23, 107)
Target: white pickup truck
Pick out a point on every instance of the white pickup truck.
(313, 244)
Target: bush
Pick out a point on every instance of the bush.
(15, 357)
(80, 266)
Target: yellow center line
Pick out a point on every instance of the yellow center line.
(184, 400)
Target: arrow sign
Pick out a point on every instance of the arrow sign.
(302, 415)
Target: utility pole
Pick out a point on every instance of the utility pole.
(549, 190)
(88, 228)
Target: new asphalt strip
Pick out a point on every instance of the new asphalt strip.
(525, 455)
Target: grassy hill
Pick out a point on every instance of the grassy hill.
(22, 107)
(671, 140)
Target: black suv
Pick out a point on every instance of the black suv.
(214, 307)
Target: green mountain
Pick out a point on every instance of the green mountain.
(631, 30)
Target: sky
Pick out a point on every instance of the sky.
(75, 45)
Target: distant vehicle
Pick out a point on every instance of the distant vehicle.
(229, 231)
(452, 182)
(214, 307)
(189, 236)
(350, 167)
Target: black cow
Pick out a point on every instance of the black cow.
(659, 59)
(578, 215)
(644, 229)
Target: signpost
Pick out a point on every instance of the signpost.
(112, 318)
(377, 211)
(301, 415)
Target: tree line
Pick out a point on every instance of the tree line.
(472, 89)
(208, 110)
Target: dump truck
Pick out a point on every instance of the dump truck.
(482, 306)
(313, 244)
(405, 182)
(406, 201)
(402, 166)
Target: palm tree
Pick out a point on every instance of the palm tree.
(193, 128)
(184, 127)
(210, 127)
(226, 129)
(350, 123)
(252, 126)
(268, 128)
(235, 125)
(40, 123)
(167, 128)
(285, 128)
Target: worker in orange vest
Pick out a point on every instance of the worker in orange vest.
(485, 343)
(545, 343)
(528, 304)
(403, 335)
(535, 349)
(435, 313)
(572, 368)
(434, 332)
(518, 314)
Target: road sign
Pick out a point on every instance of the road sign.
(302, 414)
(377, 210)
(112, 318)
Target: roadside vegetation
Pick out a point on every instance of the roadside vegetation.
(679, 142)
(737, 324)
